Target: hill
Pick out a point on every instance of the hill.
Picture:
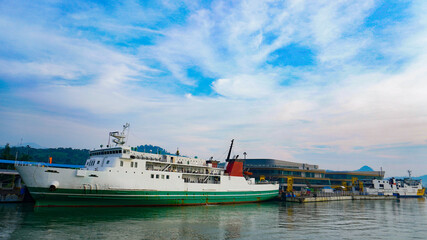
(59, 155)
(365, 169)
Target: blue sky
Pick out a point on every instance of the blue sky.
(340, 84)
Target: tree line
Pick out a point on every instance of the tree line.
(58, 155)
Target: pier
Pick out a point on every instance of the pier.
(340, 196)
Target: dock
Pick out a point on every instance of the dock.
(334, 197)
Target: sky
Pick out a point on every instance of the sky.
(340, 84)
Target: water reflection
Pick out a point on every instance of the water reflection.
(275, 220)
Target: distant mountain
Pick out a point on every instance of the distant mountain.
(150, 148)
(31, 144)
(26, 144)
(59, 155)
(362, 169)
(365, 169)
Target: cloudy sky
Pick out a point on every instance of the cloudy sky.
(340, 84)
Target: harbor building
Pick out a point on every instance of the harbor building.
(304, 175)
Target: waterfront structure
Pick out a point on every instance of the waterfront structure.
(11, 188)
(303, 175)
(120, 176)
(339, 178)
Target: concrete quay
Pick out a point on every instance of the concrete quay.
(313, 198)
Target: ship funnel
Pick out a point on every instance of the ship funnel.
(234, 166)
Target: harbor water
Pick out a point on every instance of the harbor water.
(375, 219)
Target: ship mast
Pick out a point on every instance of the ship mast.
(120, 138)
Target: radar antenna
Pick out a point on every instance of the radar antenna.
(120, 138)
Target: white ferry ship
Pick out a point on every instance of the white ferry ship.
(401, 188)
(120, 176)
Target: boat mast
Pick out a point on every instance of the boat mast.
(120, 138)
(229, 151)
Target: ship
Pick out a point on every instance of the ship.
(401, 188)
(120, 175)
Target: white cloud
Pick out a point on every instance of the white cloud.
(342, 102)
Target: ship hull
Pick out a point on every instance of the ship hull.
(76, 187)
(122, 198)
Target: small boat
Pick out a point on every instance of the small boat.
(123, 176)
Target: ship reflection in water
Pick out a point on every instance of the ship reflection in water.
(378, 219)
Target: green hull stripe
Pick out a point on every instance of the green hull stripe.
(78, 197)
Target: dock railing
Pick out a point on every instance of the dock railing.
(330, 194)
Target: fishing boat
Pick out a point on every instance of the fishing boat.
(121, 176)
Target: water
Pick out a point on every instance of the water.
(375, 219)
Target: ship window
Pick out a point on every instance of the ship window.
(136, 165)
(97, 162)
(131, 164)
(152, 175)
(157, 175)
(163, 176)
(108, 161)
(167, 176)
(121, 163)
